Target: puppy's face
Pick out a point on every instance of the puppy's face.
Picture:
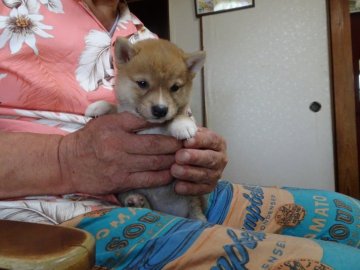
(154, 78)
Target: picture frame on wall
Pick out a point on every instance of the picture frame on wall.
(354, 6)
(207, 7)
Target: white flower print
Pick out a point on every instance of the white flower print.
(142, 34)
(95, 65)
(22, 26)
(55, 116)
(33, 6)
(3, 75)
(53, 5)
(124, 19)
(47, 211)
(134, 19)
(12, 3)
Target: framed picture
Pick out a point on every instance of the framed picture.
(207, 7)
(354, 6)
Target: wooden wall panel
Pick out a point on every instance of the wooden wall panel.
(347, 165)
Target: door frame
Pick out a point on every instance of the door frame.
(343, 94)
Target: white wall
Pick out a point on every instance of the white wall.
(265, 65)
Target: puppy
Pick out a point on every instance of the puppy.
(154, 81)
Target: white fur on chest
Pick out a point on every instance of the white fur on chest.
(182, 129)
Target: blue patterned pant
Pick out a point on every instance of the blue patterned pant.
(249, 227)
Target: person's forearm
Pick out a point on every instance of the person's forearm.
(29, 165)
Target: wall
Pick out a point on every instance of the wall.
(265, 66)
(185, 32)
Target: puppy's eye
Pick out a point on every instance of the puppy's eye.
(143, 84)
(174, 88)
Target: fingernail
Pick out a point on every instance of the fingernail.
(184, 157)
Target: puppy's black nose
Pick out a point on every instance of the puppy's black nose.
(159, 110)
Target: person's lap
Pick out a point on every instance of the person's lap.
(298, 212)
(248, 228)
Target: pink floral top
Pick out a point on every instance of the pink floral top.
(55, 59)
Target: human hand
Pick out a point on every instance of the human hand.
(106, 156)
(200, 164)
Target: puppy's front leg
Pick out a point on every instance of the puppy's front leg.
(99, 108)
(182, 127)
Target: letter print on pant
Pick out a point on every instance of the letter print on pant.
(248, 227)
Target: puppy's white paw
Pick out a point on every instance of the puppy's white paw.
(98, 108)
(183, 128)
(136, 200)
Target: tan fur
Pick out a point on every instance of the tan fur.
(160, 66)
(152, 62)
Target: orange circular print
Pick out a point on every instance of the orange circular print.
(301, 264)
(97, 213)
(290, 215)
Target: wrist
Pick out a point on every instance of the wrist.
(64, 163)
(51, 179)
(29, 165)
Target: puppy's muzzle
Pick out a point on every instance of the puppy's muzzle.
(159, 111)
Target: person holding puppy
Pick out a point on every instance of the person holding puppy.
(55, 60)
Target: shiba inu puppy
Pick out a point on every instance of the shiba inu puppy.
(154, 81)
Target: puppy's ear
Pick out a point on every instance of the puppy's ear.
(195, 61)
(123, 50)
